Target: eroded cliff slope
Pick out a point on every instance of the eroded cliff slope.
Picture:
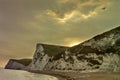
(100, 53)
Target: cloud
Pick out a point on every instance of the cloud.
(73, 9)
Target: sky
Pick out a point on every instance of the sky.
(24, 23)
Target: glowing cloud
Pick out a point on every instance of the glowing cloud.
(65, 18)
(89, 15)
(68, 10)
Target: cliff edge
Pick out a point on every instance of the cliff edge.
(100, 53)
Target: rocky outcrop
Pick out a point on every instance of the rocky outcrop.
(111, 63)
(43, 54)
(100, 53)
(18, 64)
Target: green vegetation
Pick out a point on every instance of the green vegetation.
(53, 50)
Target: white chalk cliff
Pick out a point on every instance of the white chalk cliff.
(43, 55)
(40, 58)
(100, 53)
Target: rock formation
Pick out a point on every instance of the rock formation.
(44, 54)
(18, 64)
(100, 53)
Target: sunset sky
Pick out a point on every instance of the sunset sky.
(24, 23)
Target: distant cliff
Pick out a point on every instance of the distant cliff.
(18, 64)
(100, 53)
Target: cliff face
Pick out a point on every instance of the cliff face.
(43, 54)
(18, 64)
(100, 53)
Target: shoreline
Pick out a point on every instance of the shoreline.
(60, 75)
(51, 73)
(80, 76)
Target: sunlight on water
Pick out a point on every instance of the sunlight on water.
(23, 75)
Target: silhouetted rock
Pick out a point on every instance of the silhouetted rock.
(18, 64)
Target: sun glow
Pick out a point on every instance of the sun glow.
(74, 43)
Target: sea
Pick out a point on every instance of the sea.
(7, 74)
